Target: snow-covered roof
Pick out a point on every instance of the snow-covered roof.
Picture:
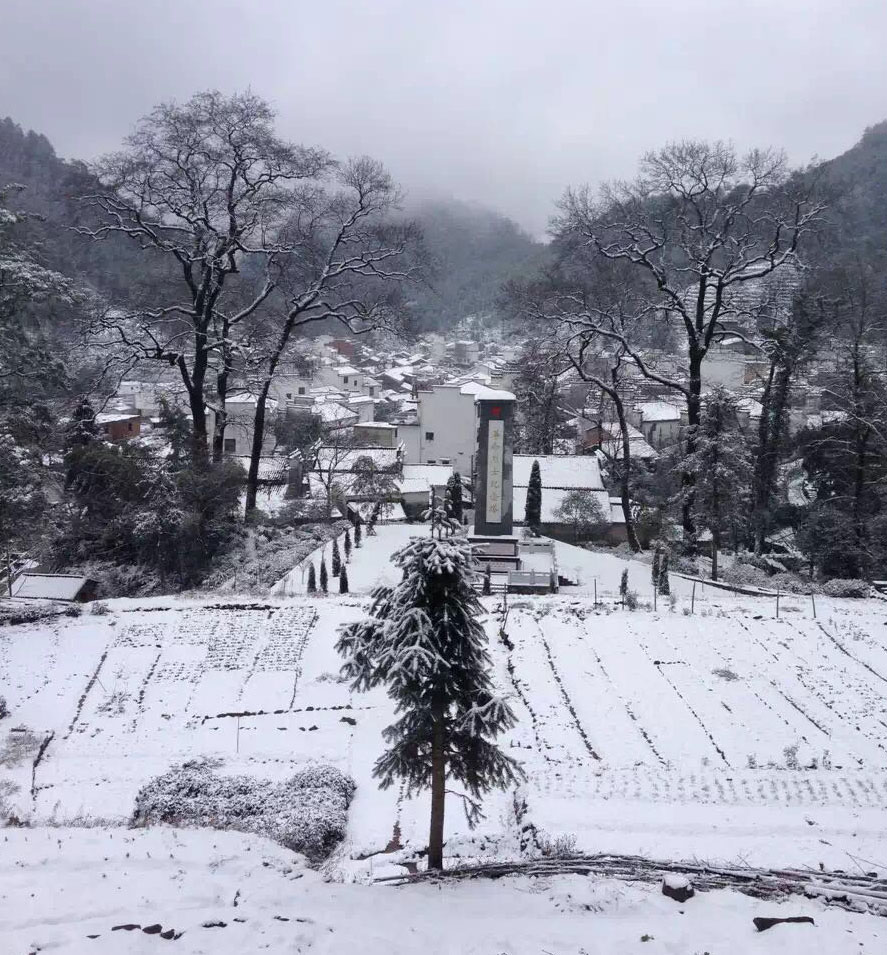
(109, 417)
(271, 467)
(423, 477)
(565, 471)
(245, 398)
(376, 425)
(659, 411)
(493, 394)
(341, 459)
(331, 412)
(346, 370)
(552, 499)
(49, 586)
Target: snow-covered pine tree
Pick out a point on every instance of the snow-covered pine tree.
(424, 643)
(312, 580)
(347, 544)
(336, 561)
(533, 512)
(343, 580)
(722, 468)
(623, 583)
(456, 497)
(662, 583)
(358, 533)
(324, 576)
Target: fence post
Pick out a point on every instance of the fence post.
(595, 591)
(813, 598)
(693, 599)
(655, 591)
(777, 604)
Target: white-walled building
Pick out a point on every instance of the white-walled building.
(447, 428)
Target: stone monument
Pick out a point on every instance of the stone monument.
(493, 505)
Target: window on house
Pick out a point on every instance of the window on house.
(345, 380)
(429, 435)
(129, 426)
(230, 445)
(372, 392)
(301, 391)
(431, 461)
(445, 461)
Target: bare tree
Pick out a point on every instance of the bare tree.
(702, 225)
(204, 186)
(344, 261)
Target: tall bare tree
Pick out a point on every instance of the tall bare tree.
(701, 224)
(204, 186)
(345, 258)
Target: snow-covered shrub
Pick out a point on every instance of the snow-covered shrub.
(631, 600)
(12, 612)
(561, 847)
(744, 574)
(99, 608)
(843, 587)
(793, 584)
(4, 708)
(307, 813)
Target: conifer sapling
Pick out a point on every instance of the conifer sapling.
(358, 533)
(324, 577)
(423, 641)
(343, 580)
(336, 562)
(347, 545)
(312, 580)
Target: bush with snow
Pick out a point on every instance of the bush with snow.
(843, 587)
(4, 708)
(13, 612)
(793, 584)
(307, 813)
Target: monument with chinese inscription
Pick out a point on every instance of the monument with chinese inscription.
(493, 508)
(515, 564)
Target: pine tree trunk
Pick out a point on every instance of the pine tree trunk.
(438, 789)
(252, 476)
(715, 548)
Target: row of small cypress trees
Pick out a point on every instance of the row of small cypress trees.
(336, 563)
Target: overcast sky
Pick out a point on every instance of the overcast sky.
(504, 102)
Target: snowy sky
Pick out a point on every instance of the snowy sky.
(504, 102)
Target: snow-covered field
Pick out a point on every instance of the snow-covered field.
(725, 735)
(72, 891)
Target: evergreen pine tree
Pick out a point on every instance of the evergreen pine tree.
(663, 584)
(488, 582)
(347, 545)
(423, 642)
(343, 580)
(456, 497)
(312, 579)
(623, 583)
(324, 577)
(358, 533)
(533, 513)
(336, 562)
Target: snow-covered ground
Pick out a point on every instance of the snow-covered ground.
(727, 734)
(72, 891)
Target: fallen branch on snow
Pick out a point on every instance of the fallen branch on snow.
(856, 893)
